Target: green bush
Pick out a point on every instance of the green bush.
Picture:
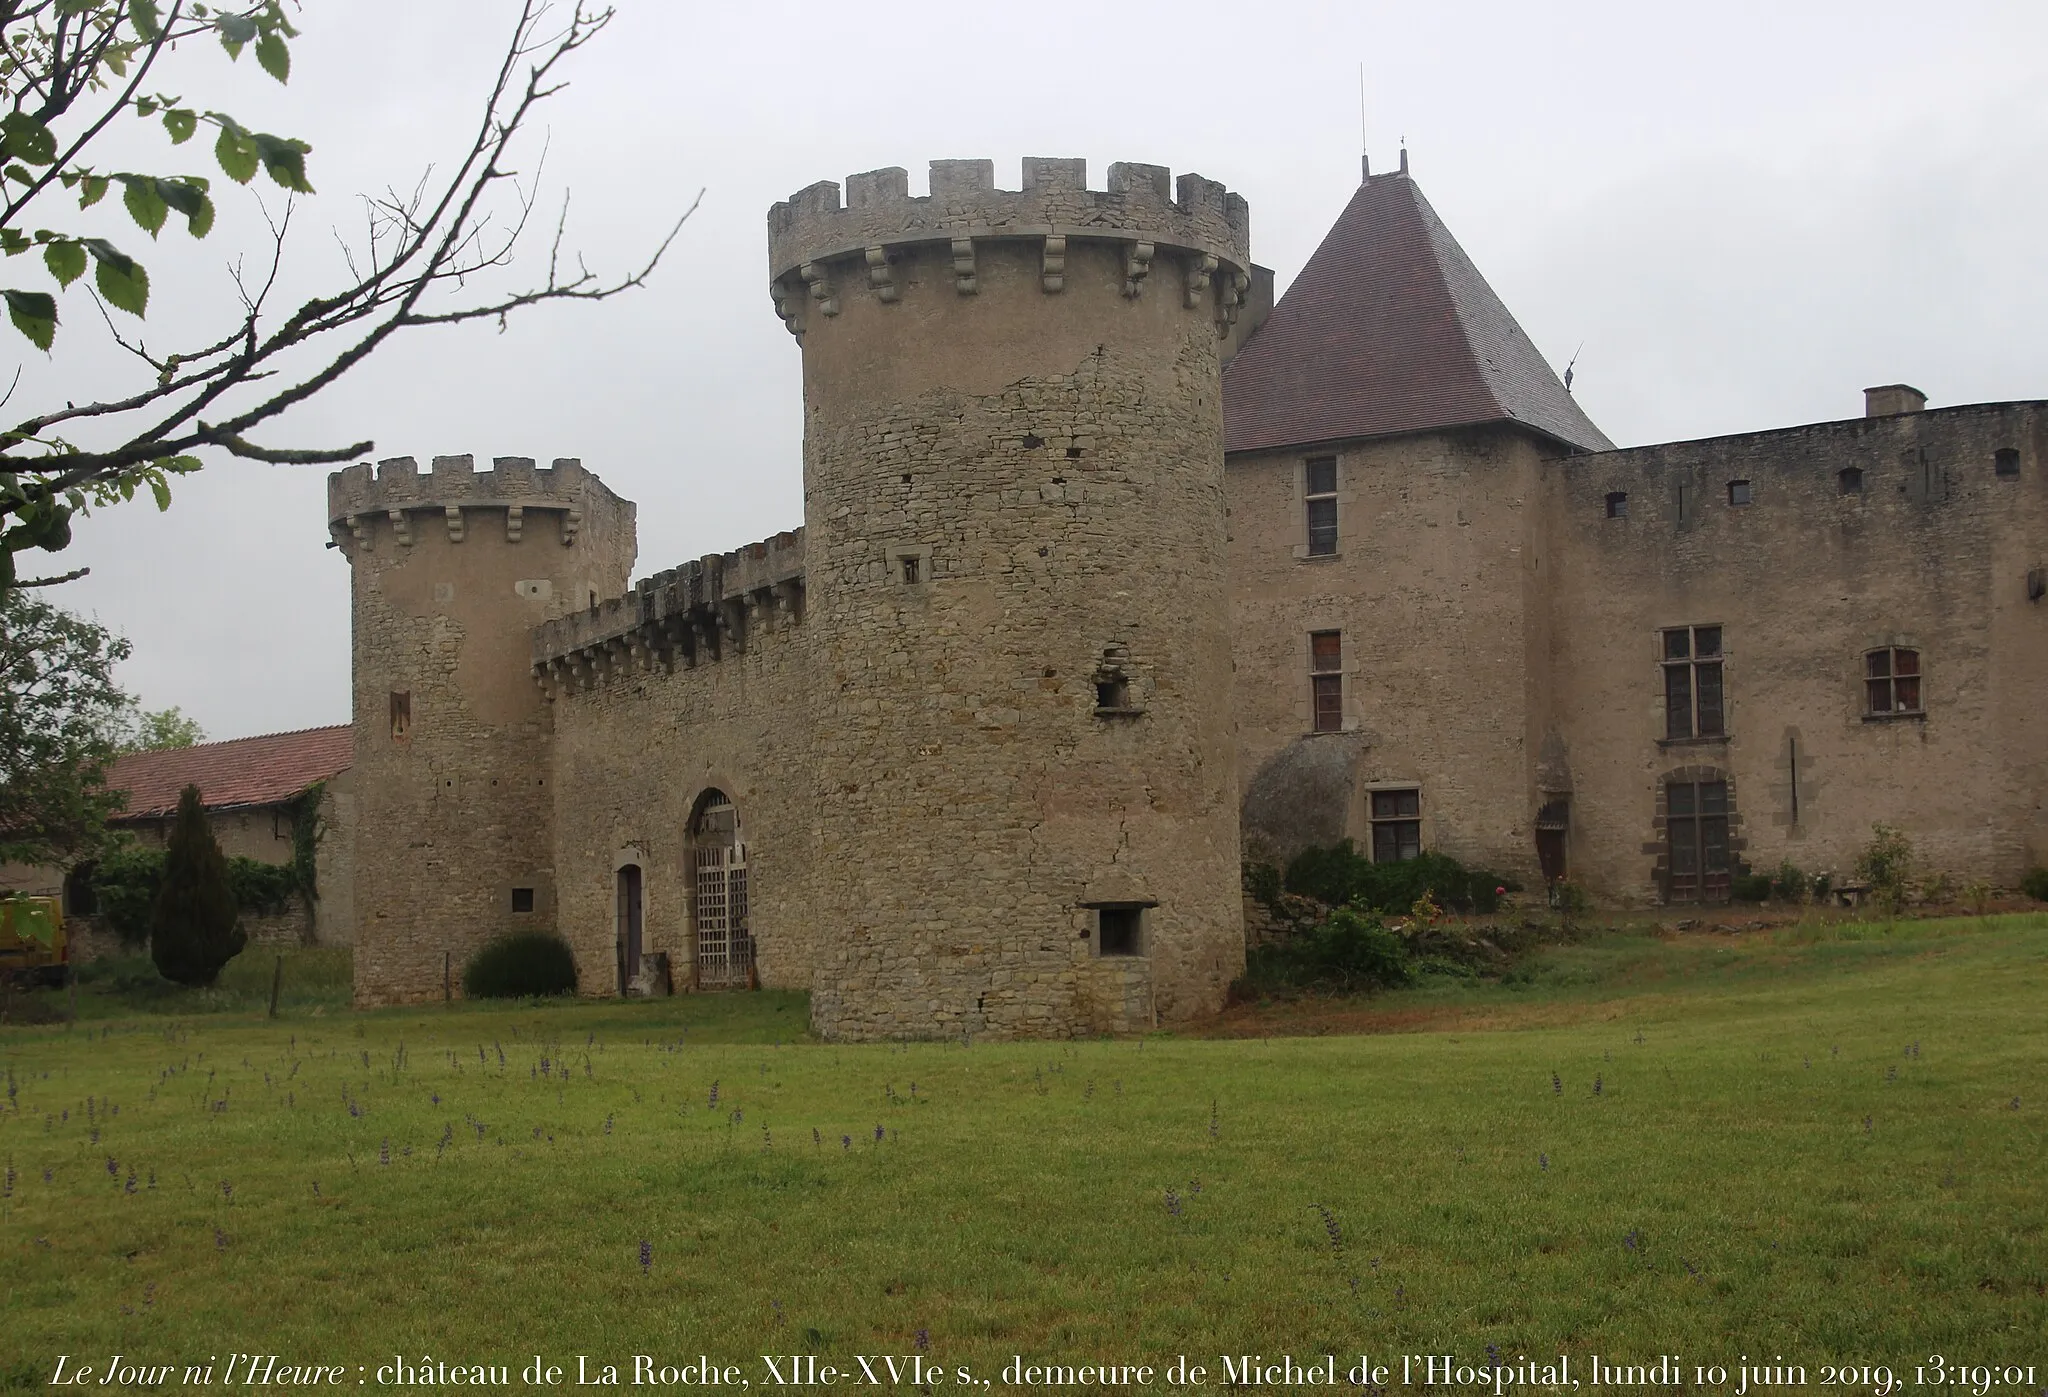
(267, 888)
(194, 925)
(126, 877)
(1789, 883)
(1753, 887)
(1886, 864)
(2035, 884)
(520, 965)
(1341, 876)
(1353, 950)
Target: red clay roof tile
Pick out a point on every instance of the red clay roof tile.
(266, 770)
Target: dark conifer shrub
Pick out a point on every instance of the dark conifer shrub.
(194, 925)
(519, 965)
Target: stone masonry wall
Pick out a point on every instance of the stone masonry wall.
(652, 708)
(1934, 551)
(1438, 554)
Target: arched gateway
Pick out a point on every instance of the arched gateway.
(718, 865)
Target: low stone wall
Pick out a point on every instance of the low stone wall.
(93, 939)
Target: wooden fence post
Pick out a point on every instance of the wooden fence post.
(276, 984)
(447, 977)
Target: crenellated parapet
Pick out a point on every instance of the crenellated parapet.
(694, 614)
(821, 250)
(453, 494)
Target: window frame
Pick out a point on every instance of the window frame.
(1394, 822)
(1326, 682)
(1893, 681)
(1741, 494)
(1617, 504)
(1701, 832)
(1134, 945)
(1688, 669)
(1313, 500)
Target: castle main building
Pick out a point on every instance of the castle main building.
(1113, 569)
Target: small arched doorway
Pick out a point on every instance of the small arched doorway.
(718, 865)
(631, 925)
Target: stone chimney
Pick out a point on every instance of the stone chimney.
(1893, 398)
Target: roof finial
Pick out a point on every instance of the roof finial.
(1364, 157)
(1404, 155)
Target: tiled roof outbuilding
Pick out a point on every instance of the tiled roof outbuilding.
(266, 770)
(1390, 328)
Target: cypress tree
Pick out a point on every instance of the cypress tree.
(194, 923)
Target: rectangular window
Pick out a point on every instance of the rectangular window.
(1396, 825)
(1693, 701)
(1326, 679)
(1738, 492)
(1116, 931)
(1617, 504)
(1696, 831)
(522, 899)
(401, 713)
(1320, 490)
(910, 567)
(1892, 681)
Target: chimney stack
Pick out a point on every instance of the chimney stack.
(1891, 399)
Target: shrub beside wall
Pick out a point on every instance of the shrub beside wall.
(521, 965)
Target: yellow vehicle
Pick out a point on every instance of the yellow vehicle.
(33, 947)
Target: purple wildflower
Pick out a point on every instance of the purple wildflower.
(220, 1240)
(714, 1097)
(845, 1143)
(1556, 1085)
(113, 1169)
(384, 1151)
(1596, 1084)
(1543, 1161)
(922, 1340)
(1172, 1203)
(646, 1257)
(878, 1134)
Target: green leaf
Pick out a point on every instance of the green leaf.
(34, 313)
(236, 151)
(66, 261)
(189, 198)
(144, 106)
(144, 203)
(235, 31)
(92, 189)
(120, 278)
(274, 56)
(22, 137)
(20, 173)
(142, 14)
(181, 122)
(285, 160)
(14, 242)
(161, 488)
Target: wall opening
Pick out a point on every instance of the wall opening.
(630, 925)
(2005, 463)
(1849, 480)
(1696, 840)
(1617, 504)
(1738, 492)
(522, 899)
(1116, 930)
(718, 866)
(401, 713)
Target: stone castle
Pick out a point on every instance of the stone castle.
(1112, 570)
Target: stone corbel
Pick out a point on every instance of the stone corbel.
(785, 299)
(399, 527)
(785, 598)
(704, 637)
(515, 522)
(1137, 264)
(543, 681)
(572, 522)
(1200, 270)
(364, 532)
(1234, 288)
(1053, 272)
(879, 275)
(820, 284)
(453, 514)
(963, 266)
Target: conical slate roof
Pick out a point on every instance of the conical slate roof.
(1390, 328)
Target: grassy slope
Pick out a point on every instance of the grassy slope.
(1770, 1166)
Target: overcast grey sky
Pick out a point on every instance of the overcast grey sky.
(1745, 211)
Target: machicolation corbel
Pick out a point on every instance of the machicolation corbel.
(1137, 263)
(399, 528)
(1053, 268)
(821, 287)
(878, 274)
(453, 513)
(963, 266)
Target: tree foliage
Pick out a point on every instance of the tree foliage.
(71, 70)
(60, 719)
(161, 731)
(194, 924)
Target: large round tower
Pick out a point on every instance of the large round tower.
(452, 571)
(1013, 475)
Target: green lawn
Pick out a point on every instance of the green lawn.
(1825, 1143)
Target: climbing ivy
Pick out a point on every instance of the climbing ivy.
(307, 827)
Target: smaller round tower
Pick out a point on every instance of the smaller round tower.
(453, 743)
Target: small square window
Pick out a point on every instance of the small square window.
(1116, 931)
(910, 563)
(1849, 480)
(522, 899)
(2006, 462)
(1112, 695)
(1891, 681)
(1617, 504)
(1738, 492)
(1396, 825)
